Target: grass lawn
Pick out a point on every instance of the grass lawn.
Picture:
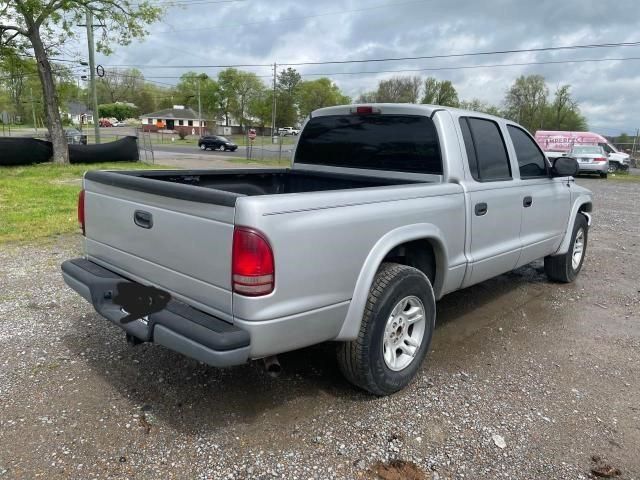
(241, 140)
(37, 201)
(623, 177)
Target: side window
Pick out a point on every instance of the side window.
(531, 160)
(484, 144)
(606, 148)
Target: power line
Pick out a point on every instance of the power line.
(472, 54)
(395, 59)
(465, 67)
(51, 59)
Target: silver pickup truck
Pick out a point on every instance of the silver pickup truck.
(385, 209)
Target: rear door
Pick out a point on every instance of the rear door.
(493, 200)
(544, 201)
(180, 245)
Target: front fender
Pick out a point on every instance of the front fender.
(575, 209)
(390, 240)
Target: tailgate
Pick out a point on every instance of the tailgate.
(180, 245)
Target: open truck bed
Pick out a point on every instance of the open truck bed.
(223, 187)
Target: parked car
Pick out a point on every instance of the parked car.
(285, 131)
(591, 159)
(386, 208)
(105, 123)
(216, 142)
(558, 143)
(73, 136)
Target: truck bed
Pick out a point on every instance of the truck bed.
(223, 187)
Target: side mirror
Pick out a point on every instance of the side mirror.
(564, 167)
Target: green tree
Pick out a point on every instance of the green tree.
(46, 25)
(319, 93)
(399, 90)
(624, 138)
(526, 101)
(18, 77)
(367, 97)
(187, 92)
(119, 85)
(261, 106)
(288, 89)
(477, 105)
(438, 92)
(288, 81)
(564, 113)
(237, 91)
(121, 111)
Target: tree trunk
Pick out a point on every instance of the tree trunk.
(52, 110)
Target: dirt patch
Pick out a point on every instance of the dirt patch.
(398, 470)
(601, 469)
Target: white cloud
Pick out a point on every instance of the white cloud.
(264, 32)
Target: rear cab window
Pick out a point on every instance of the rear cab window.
(486, 151)
(401, 143)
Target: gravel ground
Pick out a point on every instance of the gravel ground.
(527, 379)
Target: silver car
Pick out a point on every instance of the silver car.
(591, 159)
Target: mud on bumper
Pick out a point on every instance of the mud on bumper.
(178, 326)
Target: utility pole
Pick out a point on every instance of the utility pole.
(635, 142)
(33, 111)
(273, 110)
(92, 71)
(199, 108)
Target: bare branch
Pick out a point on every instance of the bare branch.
(15, 28)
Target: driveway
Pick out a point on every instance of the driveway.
(527, 379)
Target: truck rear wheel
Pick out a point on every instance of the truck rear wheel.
(565, 268)
(395, 333)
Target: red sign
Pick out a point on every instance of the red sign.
(252, 134)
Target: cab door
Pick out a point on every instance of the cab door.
(545, 201)
(493, 201)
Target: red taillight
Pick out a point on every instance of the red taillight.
(599, 159)
(81, 210)
(252, 266)
(364, 110)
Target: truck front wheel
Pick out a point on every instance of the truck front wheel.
(395, 332)
(565, 268)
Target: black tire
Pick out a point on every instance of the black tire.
(603, 175)
(613, 167)
(203, 147)
(361, 361)
(559, 268)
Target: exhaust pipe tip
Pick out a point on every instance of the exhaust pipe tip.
(272, 366)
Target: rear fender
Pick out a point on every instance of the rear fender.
(392, 239)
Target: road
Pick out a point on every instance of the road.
(258, 153)
(550, 369)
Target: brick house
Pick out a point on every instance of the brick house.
(174, 119)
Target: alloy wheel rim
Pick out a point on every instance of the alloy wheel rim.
(578, 249)
(403, 333)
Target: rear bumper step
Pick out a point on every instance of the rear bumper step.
(178, 326)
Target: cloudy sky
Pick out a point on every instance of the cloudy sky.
(202, 32)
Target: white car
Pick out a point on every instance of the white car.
(284, 131)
